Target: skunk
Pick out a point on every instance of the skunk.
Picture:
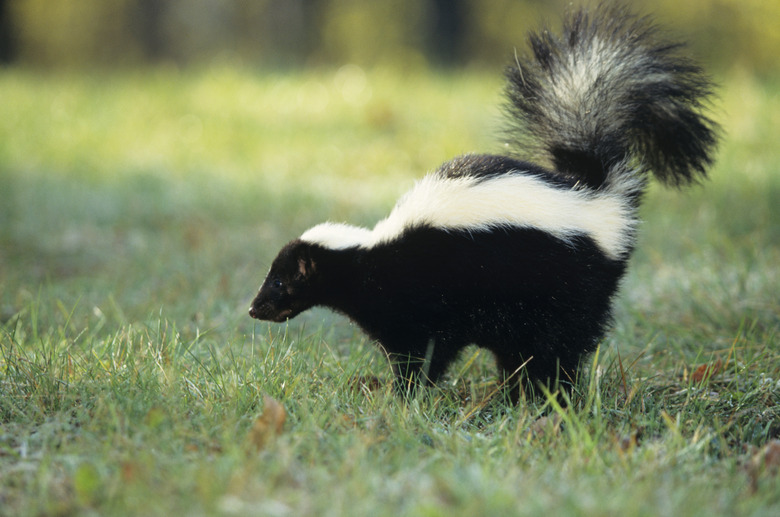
(520, 258)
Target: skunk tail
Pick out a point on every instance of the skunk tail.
(608, 99)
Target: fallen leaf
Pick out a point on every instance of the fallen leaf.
(772, 456)
(129, 471)
(628, 443)
(546, 425)
(764, 463)
(268, 424)
(706, 371)
(367, 383)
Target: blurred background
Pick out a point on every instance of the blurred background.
(296, 33)
(157, 153)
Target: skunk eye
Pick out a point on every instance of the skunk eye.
(277, 284)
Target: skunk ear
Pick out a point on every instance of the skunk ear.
(306, 267)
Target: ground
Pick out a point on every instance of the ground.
(140, 211)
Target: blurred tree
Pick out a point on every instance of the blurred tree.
(82, 33)
(289, 31)
(147, 27)
(7, 39)
(446, 31)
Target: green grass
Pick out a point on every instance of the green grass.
(140, 211)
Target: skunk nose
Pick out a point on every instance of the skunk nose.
(252, 312)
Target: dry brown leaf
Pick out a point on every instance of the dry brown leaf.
(268, 424)
(772, 456)
(546, 425)
(629, 443)
(765, 462)
(707, 371)
(129, 471)
(367, 383)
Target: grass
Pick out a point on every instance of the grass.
(140, 211)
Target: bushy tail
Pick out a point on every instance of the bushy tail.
(608, 92)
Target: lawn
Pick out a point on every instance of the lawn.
(140, 211)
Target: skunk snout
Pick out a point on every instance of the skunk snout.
(265, 310)
(258, 310)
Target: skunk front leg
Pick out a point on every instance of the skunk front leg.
(421, 365)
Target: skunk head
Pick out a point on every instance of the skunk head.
(290, 287)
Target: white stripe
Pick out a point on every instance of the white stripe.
(513, 200)
(337, 235)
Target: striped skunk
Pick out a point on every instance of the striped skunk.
(520, 258)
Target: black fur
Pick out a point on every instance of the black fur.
(486, 166)
(539, 302)
(520, 293)
(644, 102)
